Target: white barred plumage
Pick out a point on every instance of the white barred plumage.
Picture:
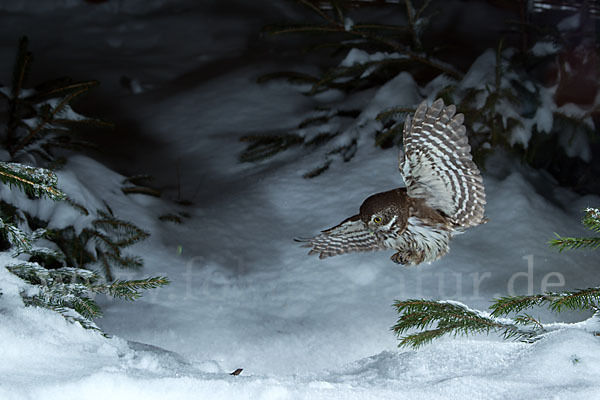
(437, 164)
(444, 195)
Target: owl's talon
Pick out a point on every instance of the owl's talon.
(399, 258)
(408, 257)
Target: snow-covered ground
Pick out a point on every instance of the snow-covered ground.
(243, 294)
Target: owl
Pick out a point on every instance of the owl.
(444, 195)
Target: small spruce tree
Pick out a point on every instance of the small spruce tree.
(41, 118)
(38, 120)
(65, 289)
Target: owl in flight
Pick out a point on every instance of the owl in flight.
(443, 196)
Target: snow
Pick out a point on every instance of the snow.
(401, 90)
(544, 117)
(243, 294)
(570, 23)
(541, 49)
(481, 72)
(348, 23)
(357, 56)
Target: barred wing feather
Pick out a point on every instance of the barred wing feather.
(437, 165)
(349, 236)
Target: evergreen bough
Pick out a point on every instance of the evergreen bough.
(36, 182)
(337, 32)
(591, 220)
(500, 108)
(398, 48)
(70, 291)
(449, 317)
(432, 319)
(65, 289)
(37, 120)
(102, 243)
(42, 118)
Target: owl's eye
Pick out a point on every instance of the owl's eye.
(377, 220)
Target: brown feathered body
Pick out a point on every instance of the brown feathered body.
(444, 195)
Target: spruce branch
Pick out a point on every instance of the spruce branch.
(411, 13)
(41, 118)
(61, 89)
(591, 220)
(383, 138)
(102, 243)
(124, 233)
(317, 171)
(515, 304)
(299, 28)
(45, 255)
(347, 78)
(60, 289)
(320, 12)
(576, 300)
(18, 239)
(125, 261)
(448, 318)
(102, 259)
(63, 309)
(77, 206)
(375, 27)
(393, 112)
(66, 290)
(571, 243)
(367, 32)
(22, 67)
(47, 118)
(264, 146)
(141, 190)
(20, 74)
(86, 307)
(339, 10)
(171, 218)
(526, 319)
(37, 182)
(130, 290)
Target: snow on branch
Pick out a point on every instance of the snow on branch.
(37, 182)
(447, 317)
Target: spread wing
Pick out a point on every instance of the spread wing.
(349, 236)
(437, 165)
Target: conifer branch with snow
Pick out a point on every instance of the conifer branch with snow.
(36, 182)
(42, 118)
(56, 277)
(67, 290)
(433, 319)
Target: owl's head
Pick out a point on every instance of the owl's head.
(382, 211)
